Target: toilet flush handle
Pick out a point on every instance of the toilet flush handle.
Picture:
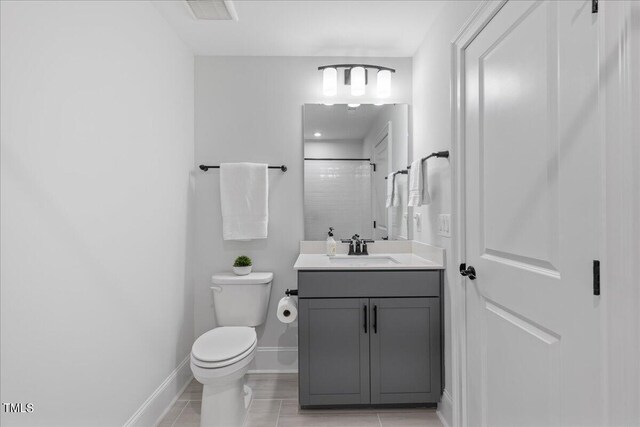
(216, 288)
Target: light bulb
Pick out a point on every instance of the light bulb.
(317, 134)
(329, 81)
(357, 81)
(384, 83)
(353, 105)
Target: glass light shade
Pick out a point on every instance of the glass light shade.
(357, 81)
(384, 83)
(329, 81)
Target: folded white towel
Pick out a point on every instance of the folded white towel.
(244, 197)
(415, 184)
(395, 201)
(391, 186)
(418, 188)
(426, 198)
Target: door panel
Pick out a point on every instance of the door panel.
(521, 365)
(526, 147)
(334, 351)
(405, 350)
(532, 202)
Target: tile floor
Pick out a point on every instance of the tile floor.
(275, 404)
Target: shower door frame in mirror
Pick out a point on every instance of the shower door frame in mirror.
(325, 159)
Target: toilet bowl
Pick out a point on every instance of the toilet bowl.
(220, 358)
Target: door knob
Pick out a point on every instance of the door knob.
(469, 272)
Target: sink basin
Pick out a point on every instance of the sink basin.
(362, 260)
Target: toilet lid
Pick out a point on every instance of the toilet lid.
(223, 343)
(224, 363)
(255, 278)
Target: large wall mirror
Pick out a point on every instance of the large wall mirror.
(349, 150)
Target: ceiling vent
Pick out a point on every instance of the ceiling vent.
(213, 10)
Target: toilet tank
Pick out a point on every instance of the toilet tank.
(241, 300)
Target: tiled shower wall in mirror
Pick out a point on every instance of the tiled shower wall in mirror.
(337, 194)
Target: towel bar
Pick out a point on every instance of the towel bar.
(442, 154)
(205, 168)
(402, 172)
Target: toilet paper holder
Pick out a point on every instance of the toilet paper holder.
(291, 292)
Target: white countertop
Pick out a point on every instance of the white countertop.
(378, 261)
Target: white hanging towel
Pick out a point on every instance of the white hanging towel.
(244, 198)
(418, 186)
(391, 186)
(395, 201)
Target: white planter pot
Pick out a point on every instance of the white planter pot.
(242, 271)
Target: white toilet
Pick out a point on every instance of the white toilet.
(220, 357)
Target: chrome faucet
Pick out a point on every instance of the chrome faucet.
(354, 244)
(357, 246)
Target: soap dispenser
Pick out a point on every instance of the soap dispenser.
(331, 243)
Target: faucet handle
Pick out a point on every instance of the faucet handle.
(364, 250)
(352, 246)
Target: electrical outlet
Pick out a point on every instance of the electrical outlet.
(444, 225)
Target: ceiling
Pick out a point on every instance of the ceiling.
(337, 122)
(307, 27)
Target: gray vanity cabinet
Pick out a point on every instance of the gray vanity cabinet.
(370, 339)
(405, 350)
(335, 351)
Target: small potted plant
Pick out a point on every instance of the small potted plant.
(242, 265)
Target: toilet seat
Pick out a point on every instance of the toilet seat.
(223, 346)
(223, 363)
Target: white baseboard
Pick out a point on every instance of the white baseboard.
(275, 360)
(445, 409)
(157, 405)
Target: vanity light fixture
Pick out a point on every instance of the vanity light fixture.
(317, 134)
(384, 83)
(329, 81)
(358, 81)
(356, 76)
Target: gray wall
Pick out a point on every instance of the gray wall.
(97, 150)
(250, 109)
(432, 132)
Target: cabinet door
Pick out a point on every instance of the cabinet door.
(334, 351)
(405, 350)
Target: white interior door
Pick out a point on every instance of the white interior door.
(379, 188)
(532, 200)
